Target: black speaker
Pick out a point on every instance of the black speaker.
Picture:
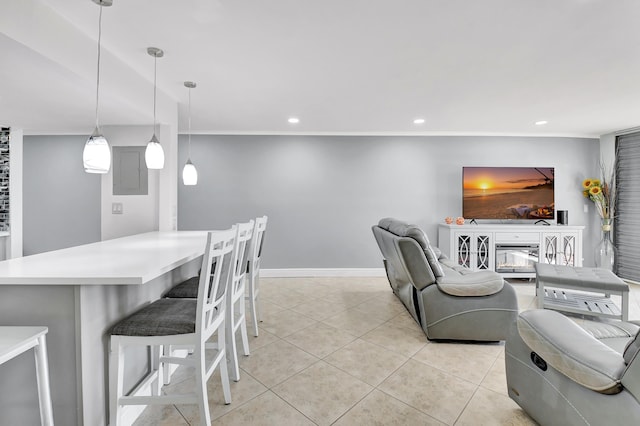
(563, 217)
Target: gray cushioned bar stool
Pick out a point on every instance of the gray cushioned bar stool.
(235, 312)
(253, 254)
(183, 322)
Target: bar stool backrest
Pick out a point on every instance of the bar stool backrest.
(218, 256)
(255, 248)
(243, 235)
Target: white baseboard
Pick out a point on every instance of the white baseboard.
(326, 272)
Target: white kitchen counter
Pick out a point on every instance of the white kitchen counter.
(135, 259)
(79, 293)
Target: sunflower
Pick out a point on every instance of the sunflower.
(602, 193)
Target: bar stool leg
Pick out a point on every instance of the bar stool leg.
(42, 375)
(232, 350)
(224, 371)
(157, 353)
(243, 327)
(201, 384)
(116, 379)
(254, 312)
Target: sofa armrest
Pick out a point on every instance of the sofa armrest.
(571, 350)
(481, 283)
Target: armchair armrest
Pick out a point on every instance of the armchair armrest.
(571, 350)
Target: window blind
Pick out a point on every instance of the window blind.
(626, 230)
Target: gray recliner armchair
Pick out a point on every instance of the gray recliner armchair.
(449, 301)
(562, 373)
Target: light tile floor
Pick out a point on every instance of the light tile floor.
(344, 351)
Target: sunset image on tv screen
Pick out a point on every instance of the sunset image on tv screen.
(508, 193)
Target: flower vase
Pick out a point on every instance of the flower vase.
(606, 252)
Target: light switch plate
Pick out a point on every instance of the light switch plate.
(116, 208)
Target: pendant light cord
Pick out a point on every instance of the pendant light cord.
(98, 73)
(189, 150)
(155, 77)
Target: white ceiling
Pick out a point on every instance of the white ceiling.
(341, 66)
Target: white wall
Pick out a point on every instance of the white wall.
(144, 213)
(140, 212)
(608, 148)
(323, 193)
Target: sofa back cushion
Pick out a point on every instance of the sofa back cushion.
(403, 229)
(432, 258)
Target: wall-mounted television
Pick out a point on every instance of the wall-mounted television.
(508, 193)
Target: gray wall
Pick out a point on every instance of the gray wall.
(61, 203)
(323, 193)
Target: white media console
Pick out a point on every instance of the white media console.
(511, 250)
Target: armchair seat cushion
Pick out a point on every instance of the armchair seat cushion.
(480, 283)
(571, 350)
(615, 334)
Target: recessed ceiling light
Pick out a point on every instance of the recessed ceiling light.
(541, 122)
(418, 121)
(293, 120)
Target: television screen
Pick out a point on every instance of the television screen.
(524, 193)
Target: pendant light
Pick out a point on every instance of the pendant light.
(154, 155)
(189, 173)
(96, 155)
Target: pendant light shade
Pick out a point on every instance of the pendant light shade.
(189, 172)
(154, 154)
(96, 155)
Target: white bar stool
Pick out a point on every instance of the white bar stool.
(15, 340)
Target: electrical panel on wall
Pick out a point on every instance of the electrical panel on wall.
(4, 178)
